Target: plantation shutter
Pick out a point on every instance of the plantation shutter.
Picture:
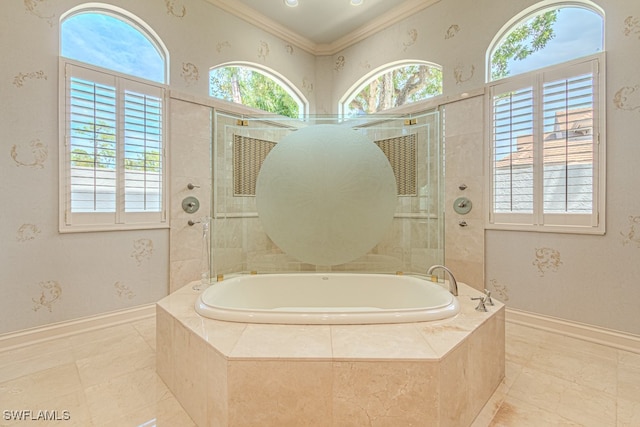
(545, 148)
(512, 154)
(114, 152)
(91, 146)
(570, 144)
(143, 147)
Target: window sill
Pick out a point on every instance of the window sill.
(560, 229)
(111, 227)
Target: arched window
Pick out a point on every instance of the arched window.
(256, 87)
(392, 86)
(114, 41)
(546, 69)
(545, 37)
(112, 150)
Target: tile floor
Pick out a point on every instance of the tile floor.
(107, 378)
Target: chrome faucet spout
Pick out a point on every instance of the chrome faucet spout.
(453, 284)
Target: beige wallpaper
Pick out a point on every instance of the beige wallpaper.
(588, 279)
(47, 277)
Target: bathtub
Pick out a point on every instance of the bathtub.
(320, 298)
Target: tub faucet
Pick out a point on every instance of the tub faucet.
(453, 285)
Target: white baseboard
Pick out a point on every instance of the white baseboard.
(58, 330)
(589, 333)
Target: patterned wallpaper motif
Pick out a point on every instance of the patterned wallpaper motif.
(27, 232)
(627, 98)
(632, 26)
(632, 236)
(452, 31)
(501, 291)
(546, 259)
(289, 49)
(339, 64)
(18, 80)
(177, 11)
(412, 37)
(40, 9)
(222, 45)
(123, 291)
(463, 73)
(142, 250)
(307, 86)
(189, 73)
(50, 292)
(263, 50)
(33, 154)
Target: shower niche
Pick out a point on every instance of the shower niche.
(410, 241)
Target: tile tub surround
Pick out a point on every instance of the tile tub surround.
(430, 373)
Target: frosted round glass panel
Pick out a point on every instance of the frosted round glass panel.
(326, 194)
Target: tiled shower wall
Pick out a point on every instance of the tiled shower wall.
(464, 244)
(190, 163)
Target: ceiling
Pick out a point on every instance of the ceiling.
(323, 26)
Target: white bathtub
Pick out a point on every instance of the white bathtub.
(316, 298)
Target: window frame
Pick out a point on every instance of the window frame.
(279, 79)
(120, 219)
(365, 80)
(539, 221)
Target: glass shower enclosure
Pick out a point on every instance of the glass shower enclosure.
(415, 239)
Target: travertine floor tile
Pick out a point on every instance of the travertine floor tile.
(563, 362)
(32, 359)
(628, 413)
(33, 390)
(516, 413)
(165, 413)
(147, 328)
(565, 398)
(107, 377)
(113, 363)
(125, 394)
(629, 382)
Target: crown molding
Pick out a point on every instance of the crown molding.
(405, 10)
(257, 19)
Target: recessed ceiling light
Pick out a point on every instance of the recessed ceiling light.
(356, 2)
(291, 3)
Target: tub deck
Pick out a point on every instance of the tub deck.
(438, 373)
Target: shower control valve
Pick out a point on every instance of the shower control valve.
(462, 205)
(190, 204)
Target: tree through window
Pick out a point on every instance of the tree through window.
(255, 88)
(546, 122)
(545, 38)
(113, 147)
(393, 87)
